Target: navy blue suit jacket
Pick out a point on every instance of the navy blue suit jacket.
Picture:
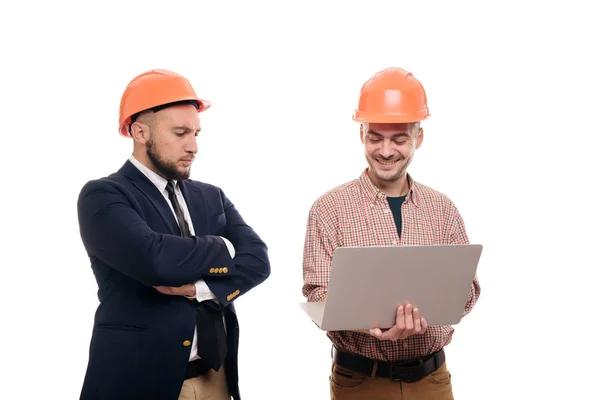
(140, 340)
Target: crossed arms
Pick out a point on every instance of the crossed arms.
(113, 231)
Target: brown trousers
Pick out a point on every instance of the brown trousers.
(346, 384)
(211, 385)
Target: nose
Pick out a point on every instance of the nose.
(191, 145)
(386, 149)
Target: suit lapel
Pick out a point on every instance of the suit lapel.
(196, 204)
(149, 190)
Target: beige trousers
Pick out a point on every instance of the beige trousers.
(211, 385)
(346, 384)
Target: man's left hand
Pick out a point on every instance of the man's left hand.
(188, 290)
(408, 322)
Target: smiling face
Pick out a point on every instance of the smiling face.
(165, 141)
(389, 149)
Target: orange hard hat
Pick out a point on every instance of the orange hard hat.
(392, 95)
(154, 88)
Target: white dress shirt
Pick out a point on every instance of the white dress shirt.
(202, 290)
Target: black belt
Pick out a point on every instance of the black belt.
(196, 368)
(405, 371)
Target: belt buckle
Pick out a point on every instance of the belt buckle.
(406, 371)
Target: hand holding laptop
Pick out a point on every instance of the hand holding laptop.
(408, 322)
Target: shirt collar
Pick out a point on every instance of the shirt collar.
(157, 180)
(373, 192)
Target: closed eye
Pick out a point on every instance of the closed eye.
(182, 130)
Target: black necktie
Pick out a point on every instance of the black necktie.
(183, 225)
(212, 342)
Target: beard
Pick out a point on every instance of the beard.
(167, 169)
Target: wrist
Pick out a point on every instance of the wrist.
(191, 291)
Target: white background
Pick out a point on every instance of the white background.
(513, 90)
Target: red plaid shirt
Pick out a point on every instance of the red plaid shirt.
(357, 214)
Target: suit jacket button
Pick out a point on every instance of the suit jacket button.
(225, 270)
(212, 271)
(187, 343)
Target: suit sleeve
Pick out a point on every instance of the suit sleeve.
(250, 266)
(114, 232)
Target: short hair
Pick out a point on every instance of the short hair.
(414, 125)
(135, 116)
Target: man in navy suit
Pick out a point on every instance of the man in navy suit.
(169, 254)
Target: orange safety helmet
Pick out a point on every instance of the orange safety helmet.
(154, 88)
(392, 95)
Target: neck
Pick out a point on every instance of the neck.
(396, 188)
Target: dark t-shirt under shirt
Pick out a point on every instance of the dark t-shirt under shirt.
(395, 204)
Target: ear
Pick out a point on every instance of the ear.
(419, 138)
(140, 132)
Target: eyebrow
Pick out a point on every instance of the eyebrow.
(395, 135)
(186, 128)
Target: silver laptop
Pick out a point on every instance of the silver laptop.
(368, 283)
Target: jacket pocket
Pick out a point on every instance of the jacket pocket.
(122, 327)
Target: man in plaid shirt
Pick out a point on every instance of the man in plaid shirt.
(385, 207)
